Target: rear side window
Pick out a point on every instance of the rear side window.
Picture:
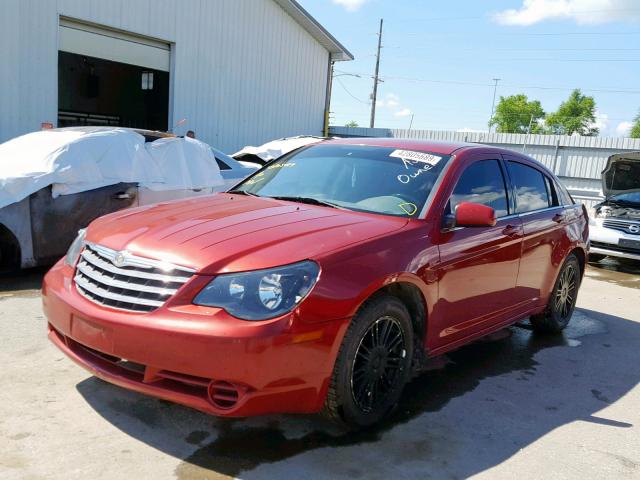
(531, 188)
(551, 191)
(482, 182)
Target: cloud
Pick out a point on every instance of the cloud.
(624, 129)
(580, 11)
(405, 112)
(390, 100)
(391, 103)
(601, 123)
(350, 5)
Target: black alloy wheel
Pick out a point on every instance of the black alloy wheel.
(373, 364)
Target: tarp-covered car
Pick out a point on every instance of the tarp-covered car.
(54, 182)
(615, 223)
(273, 150)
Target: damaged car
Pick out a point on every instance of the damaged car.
(55, 182)
(615, 222)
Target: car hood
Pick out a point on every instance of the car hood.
(230, 233)
(621, 174)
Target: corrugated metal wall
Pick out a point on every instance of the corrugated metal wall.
(577, 161)
(244, 71)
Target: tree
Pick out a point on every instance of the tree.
(351, 124)
(576, 115)
(514, 114)
(635, 129)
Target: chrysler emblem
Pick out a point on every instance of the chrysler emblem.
(119, 259)
(634, 228)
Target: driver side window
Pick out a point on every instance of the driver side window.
(482, 182)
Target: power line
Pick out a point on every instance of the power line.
(534, 87)
(552, 49)
(521, 34)
(500, 14)
(348, 92)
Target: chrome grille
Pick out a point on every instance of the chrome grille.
(622, 225)
(127, 282)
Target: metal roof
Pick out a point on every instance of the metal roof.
(317, 31)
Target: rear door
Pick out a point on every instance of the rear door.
(543, 220)
(479, 265)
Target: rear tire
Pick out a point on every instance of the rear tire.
(562, 300)
(596, 257)
(373, 364)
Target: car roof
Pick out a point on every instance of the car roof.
(444, 148)
(433, 146)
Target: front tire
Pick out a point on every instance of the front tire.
(562, 301)
(373, 364)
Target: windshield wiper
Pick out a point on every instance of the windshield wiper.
(309, 200)
(244, 192)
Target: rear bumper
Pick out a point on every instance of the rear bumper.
(198, 357)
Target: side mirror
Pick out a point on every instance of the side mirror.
(469, 214)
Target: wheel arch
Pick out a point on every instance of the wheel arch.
(411, 292)
(582, 258)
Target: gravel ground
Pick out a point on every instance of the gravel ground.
(517, 405)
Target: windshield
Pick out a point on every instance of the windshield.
(627, 197)
(380, 180)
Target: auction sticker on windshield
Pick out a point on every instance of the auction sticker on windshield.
(416, 156)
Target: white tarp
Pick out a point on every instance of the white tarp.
(74, 161)
(184, 163)
(276, 148)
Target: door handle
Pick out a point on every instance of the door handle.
(511, 231)
(559, 218)
(122, 196)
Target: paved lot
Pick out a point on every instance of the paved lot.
(516, 406)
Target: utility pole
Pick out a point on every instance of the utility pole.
(411, 122)
(526, 139)
(375, 80)
(493, 103)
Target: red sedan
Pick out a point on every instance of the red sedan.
(322, 281)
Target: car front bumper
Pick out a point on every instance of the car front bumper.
(199, 357)
(606, 241)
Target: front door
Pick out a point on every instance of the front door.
(479, 265)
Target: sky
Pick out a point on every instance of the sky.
(439, 58)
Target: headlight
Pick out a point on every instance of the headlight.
(601, 212)
(76, 247)
(261, 294)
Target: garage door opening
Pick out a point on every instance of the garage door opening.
(111, 78)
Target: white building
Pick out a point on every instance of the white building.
(239, 71)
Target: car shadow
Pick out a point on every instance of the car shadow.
(475, 408)
(22, 281)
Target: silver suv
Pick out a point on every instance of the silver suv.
(614, 224)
